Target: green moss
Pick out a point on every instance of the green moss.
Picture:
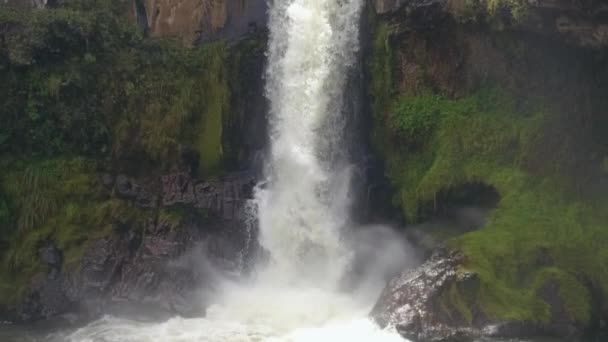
(214, 109)
(477, 138)
(243, 70)
(174, 216)
(58, 200)
(575, 296)
(489, 137)
(81, 80)
(458, 303)
(381, 69)
(82, 89)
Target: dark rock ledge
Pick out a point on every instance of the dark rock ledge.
(159, 270)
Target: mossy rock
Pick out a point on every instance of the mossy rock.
(493, 134)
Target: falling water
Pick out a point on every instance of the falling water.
(302, 205)
(313, 44)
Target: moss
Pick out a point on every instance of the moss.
(174, 216)
(81, 80)
(490, 11)
(457, 303)
(381, 69)
(434, 143)
(214, 109)
(576, 297)
(58, 200)
(456, 141)
(243, 69)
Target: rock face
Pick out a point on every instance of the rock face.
(166, 268)
(193, 21)
(387, 6)
(25, 3)
(204, 20)
(583, 23)
(419, 306)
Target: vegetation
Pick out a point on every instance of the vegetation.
(58, 200)
(87, 82)
(82, 91)
(544, 229)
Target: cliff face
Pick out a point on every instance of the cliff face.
(203, 20)
(132, 160)
(584, 23)
(496, 106)
(191, 20)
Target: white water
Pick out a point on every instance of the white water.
(303, 207)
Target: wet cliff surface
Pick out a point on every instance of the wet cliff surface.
(132, 131)
(127, 161)
(489, 115)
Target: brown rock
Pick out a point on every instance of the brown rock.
(196, 20)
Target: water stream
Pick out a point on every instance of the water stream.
(302, 205)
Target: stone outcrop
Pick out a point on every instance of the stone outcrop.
(165, 267)
(417, 304)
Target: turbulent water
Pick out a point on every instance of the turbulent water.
(303, 205)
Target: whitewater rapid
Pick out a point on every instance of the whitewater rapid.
(303, 205)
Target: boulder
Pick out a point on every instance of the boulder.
(411, 301)
(416, 304)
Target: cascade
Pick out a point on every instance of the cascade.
(302, 205)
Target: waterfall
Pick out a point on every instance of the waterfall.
(304, 205)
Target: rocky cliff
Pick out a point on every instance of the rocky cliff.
(496, 105)
(125, 179)
(204, 20)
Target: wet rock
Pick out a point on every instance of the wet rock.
(581, 23)
(126, 187)
(414, 303)
(107, 180)
(387, 6)
(224, 197)
(46, 299)
(52, 257)
(159, 269)
(410, 302)
(562, 323)
(177, 189)
(26, 3)
(203, 20)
